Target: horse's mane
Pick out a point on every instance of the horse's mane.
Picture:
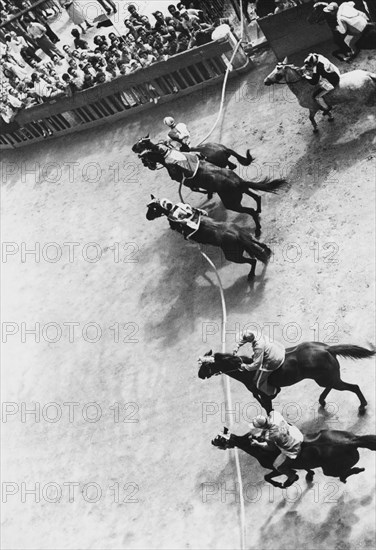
(231, 360)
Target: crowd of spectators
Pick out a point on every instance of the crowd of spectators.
(27, 79)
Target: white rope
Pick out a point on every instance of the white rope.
(223, 302)
(229, 405)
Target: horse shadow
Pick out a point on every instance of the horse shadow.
(324, 156)
(292, 530)
(194, 284)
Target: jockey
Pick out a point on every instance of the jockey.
(183, 213)
(288, 439)
(267, 357)
(189, 162)
(351, 23)
(179, 133)
(319, 70)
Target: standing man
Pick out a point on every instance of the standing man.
(178, 133)
(108, 6)
(37, 32)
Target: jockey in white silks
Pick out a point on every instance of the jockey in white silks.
(189, 162)
(287, 438)
(267, 357)
(184, 214)
(179, 133)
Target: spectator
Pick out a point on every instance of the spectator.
(134, 16)
(101, 77)
(108, 6)
(70, 86)
(41, 87)
(38, 33)
(76, 13)
(79, 43)
(282, 5)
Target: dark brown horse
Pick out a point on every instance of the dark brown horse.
(335, 451)
(312, 360)
(232, 239)
(210, 179)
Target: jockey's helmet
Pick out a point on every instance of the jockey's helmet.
(260, 421)
(169, 121)
(165, 203)
(311, 60)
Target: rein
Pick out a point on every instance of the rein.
(291, 81)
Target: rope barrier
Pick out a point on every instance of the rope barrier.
(229, 403)
(223, 302)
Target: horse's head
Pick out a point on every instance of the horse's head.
(150, 153)
(158, 208)
(210, 365)
(283, 73)
(223, 440)
(317, 14)
(141, 145)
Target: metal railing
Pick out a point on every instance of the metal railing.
(161, 82)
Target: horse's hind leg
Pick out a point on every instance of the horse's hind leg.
(323, 396)
(341, 386)
(244, 210)
(256, 198)
(313, 121)
(309, 475)
(351, 472)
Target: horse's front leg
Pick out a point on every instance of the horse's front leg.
(269, 478)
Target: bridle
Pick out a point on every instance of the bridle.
(291, 81)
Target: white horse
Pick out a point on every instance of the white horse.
(356, 86)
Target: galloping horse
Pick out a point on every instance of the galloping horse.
(357, 86)
(216, 153)
(209, 178)
(312, 360)
(367, 41)
(335, 451)
(232, 239)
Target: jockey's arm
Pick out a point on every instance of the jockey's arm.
(245, 339)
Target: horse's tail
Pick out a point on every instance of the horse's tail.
(258, 250)
(353, 352)
(366, 442)
(266, 185)
(244, 161)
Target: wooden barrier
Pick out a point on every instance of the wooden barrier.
(289, 32)
(181, 74)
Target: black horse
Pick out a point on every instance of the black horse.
(312, 360)
(232, 239)
(335, 451)
(210, 179)
(216, 153)
(367, 41)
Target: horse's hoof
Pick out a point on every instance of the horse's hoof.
(251, 276)
(322, 404)
(331, 119)
(315, 130)
(362, 410)
(309, 476)
(258, 233)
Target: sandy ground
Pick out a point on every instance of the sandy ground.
(158, 482)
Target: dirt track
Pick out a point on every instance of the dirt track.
(171, 301)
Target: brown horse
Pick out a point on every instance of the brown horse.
(232, 239)
(210, 179)
(312, 360)
(335, 451)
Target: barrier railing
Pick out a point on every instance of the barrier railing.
(181, 74)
